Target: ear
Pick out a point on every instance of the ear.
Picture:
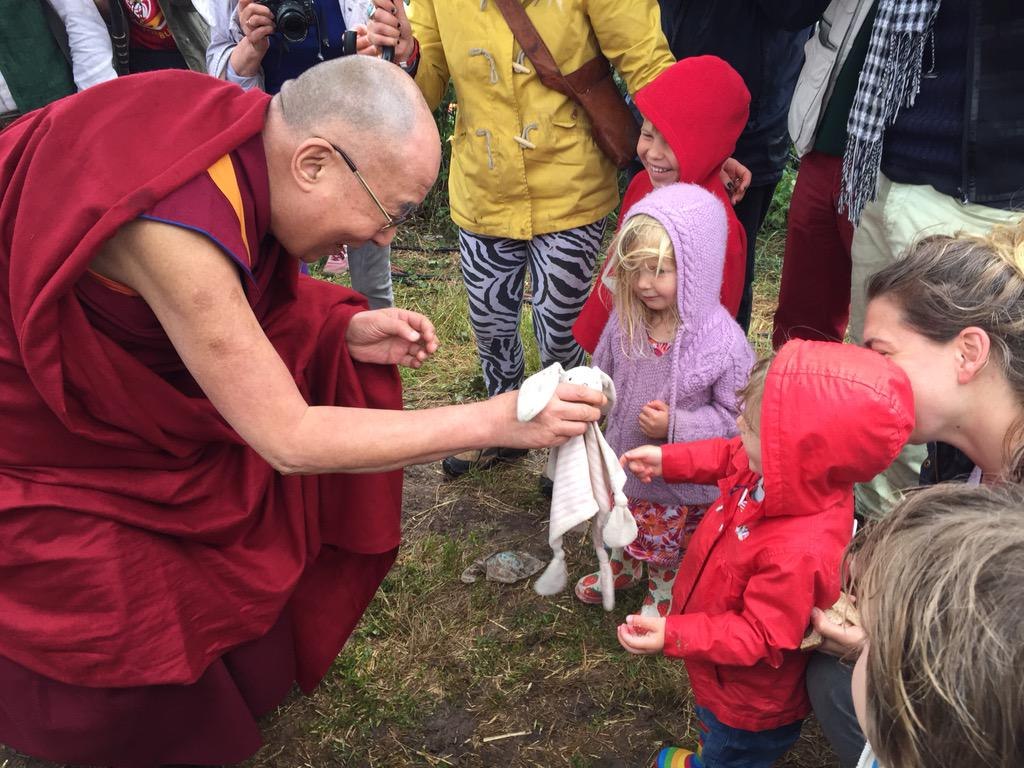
(607, 387)
(972, 347)
(537, 391)
(309, 162)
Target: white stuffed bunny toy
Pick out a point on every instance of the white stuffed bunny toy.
(588, 481)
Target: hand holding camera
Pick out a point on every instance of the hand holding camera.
(257, 24)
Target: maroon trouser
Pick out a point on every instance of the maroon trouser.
(814, 295)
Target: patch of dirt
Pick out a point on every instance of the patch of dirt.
(447, 731)
(509, 509)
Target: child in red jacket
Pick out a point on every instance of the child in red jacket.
(693, 114)
(816, 419)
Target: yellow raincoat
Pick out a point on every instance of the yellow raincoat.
(524, 162)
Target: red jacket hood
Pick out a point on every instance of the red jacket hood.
(700, 105)
(838, 412)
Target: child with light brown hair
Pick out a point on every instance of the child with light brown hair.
(676, 358)
(816, 419)
(940, 681)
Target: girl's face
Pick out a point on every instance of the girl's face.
(656, 288)
(657, 156)
(751, 443)
(930, 366)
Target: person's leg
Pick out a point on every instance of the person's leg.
(901, 215)
(493, 271)
(626, 572)
(659, 591)
(814, 293)
(561, 270)
(751, 211)
(722, 746)
(828, 686)
(369, 265)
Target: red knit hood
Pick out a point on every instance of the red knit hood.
(700, 105)
(837, 412)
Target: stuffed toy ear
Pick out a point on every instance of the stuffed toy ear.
(620, 529)
(537, 392)
(608, 388)
(555, 576)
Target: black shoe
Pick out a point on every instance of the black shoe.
(461, 463)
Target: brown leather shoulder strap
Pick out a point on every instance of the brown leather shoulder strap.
(533, 46)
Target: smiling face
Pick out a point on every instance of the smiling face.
(657, 156)
(655, 286)
(326, 205)
(930, 366)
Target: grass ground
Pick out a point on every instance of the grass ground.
(441, 673)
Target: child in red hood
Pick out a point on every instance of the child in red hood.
(693, 113)
(816, 419)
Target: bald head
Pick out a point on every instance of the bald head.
(368, 112)
(365, 95)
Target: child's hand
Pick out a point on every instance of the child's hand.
(642, 634)
(654, 420)
(644, 462)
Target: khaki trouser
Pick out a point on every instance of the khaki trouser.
(902, 214)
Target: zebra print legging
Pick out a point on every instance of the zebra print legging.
(561, 266)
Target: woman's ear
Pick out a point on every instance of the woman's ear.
(972, 347)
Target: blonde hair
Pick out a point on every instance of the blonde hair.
(941, 584)
(641, 239)
(947, 283)
(750, 395)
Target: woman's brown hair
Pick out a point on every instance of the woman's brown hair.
(947, 283)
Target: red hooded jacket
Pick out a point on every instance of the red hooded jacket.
(142, 538)
(832, 415)
(700, 105)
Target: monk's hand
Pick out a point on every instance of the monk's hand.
(391, 336)
(571, 408)
(644, 462)
(642, 635)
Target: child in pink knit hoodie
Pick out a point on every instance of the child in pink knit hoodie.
(677, 359)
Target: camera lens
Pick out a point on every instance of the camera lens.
(292, 23)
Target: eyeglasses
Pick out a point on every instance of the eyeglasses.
(390, 221)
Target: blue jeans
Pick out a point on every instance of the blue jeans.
(722, 746)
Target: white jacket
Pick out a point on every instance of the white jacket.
(824, 55)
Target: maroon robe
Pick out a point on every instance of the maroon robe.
(153, 565)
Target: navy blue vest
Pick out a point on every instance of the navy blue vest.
(285, 60)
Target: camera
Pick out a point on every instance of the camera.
(292, 17)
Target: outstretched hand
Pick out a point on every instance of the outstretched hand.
(567, 414)
(644, 462)
(391, 336)
(642, 635)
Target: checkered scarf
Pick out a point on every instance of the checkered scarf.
(890, 78)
